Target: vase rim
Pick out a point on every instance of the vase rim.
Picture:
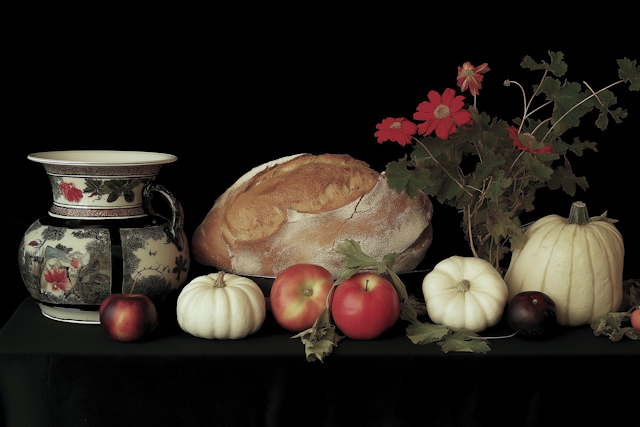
(102, 158)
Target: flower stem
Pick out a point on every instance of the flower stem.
(524, 99)
(473, 249)
(443, 168)
(572, 108)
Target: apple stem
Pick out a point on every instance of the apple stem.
(366, 285)
(219, 280)
(133, 286)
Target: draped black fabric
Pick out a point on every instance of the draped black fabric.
(61, 374)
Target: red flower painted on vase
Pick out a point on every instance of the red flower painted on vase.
(75, 262)
(58, 278)
(70, 192)
(442, 114)
(398, 130)
(513, 134)
(471, 77)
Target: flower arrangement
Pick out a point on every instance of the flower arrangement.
(513, 160)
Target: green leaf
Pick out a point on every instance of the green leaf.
(465, 341)
(603, 102)
(629, 72)
(397, 175)
(449, 190)
(557, 65)
(565, 98)
(499, 184)
(400, 178)
(563, 177)
(425, 333)
(577, 147)
(630, 294)
(354, 257)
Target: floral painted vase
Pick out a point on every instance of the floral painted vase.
(101, 235)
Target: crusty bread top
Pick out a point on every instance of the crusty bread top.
(306, 184)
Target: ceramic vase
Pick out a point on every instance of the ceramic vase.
(101, 234)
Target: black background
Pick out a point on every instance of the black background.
(227, 89)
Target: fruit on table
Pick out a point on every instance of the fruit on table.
(364, 306)
(577, 262)
(221, 306)
(299, 294)
(531, 313)
(635, 319)
(464, 293)
(128, 317)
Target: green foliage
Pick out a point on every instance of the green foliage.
(503, 183)
(615, 325)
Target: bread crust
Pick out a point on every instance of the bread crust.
(299, 208)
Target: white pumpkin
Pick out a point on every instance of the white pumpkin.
(221, 306)
(464, 293)
(577, 262)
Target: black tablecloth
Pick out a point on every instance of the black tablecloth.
(61, 374)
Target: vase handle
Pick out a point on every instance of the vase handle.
(177, 214)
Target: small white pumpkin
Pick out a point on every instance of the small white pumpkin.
(464, 293)
(576, 261)
(221, 306)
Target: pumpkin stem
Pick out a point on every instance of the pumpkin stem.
(463, 286)
(578, 214)
(219, 280)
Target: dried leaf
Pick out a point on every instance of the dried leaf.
(611, 326)
(464, 341)
(425, 333)
(317, 347)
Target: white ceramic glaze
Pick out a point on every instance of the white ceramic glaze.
(101, 235)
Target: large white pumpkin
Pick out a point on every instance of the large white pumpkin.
(577, 262)
(464, 293)
(221, 306)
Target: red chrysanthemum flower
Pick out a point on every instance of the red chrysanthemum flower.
(70, 192)
(513, 134)
(398, 130)
(471, 77)
(442, 113)
(58, 278)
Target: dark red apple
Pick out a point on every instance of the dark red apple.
(531, 313)
(128, 317)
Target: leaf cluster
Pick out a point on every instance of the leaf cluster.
(320, 340)
(478, 171)
(615, 324)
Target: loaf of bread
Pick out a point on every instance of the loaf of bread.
(299, 208)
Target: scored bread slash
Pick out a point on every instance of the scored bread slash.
(300, 208)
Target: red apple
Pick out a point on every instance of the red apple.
(365, 306)
(128, 317)
(299, 294)
(635, 319)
